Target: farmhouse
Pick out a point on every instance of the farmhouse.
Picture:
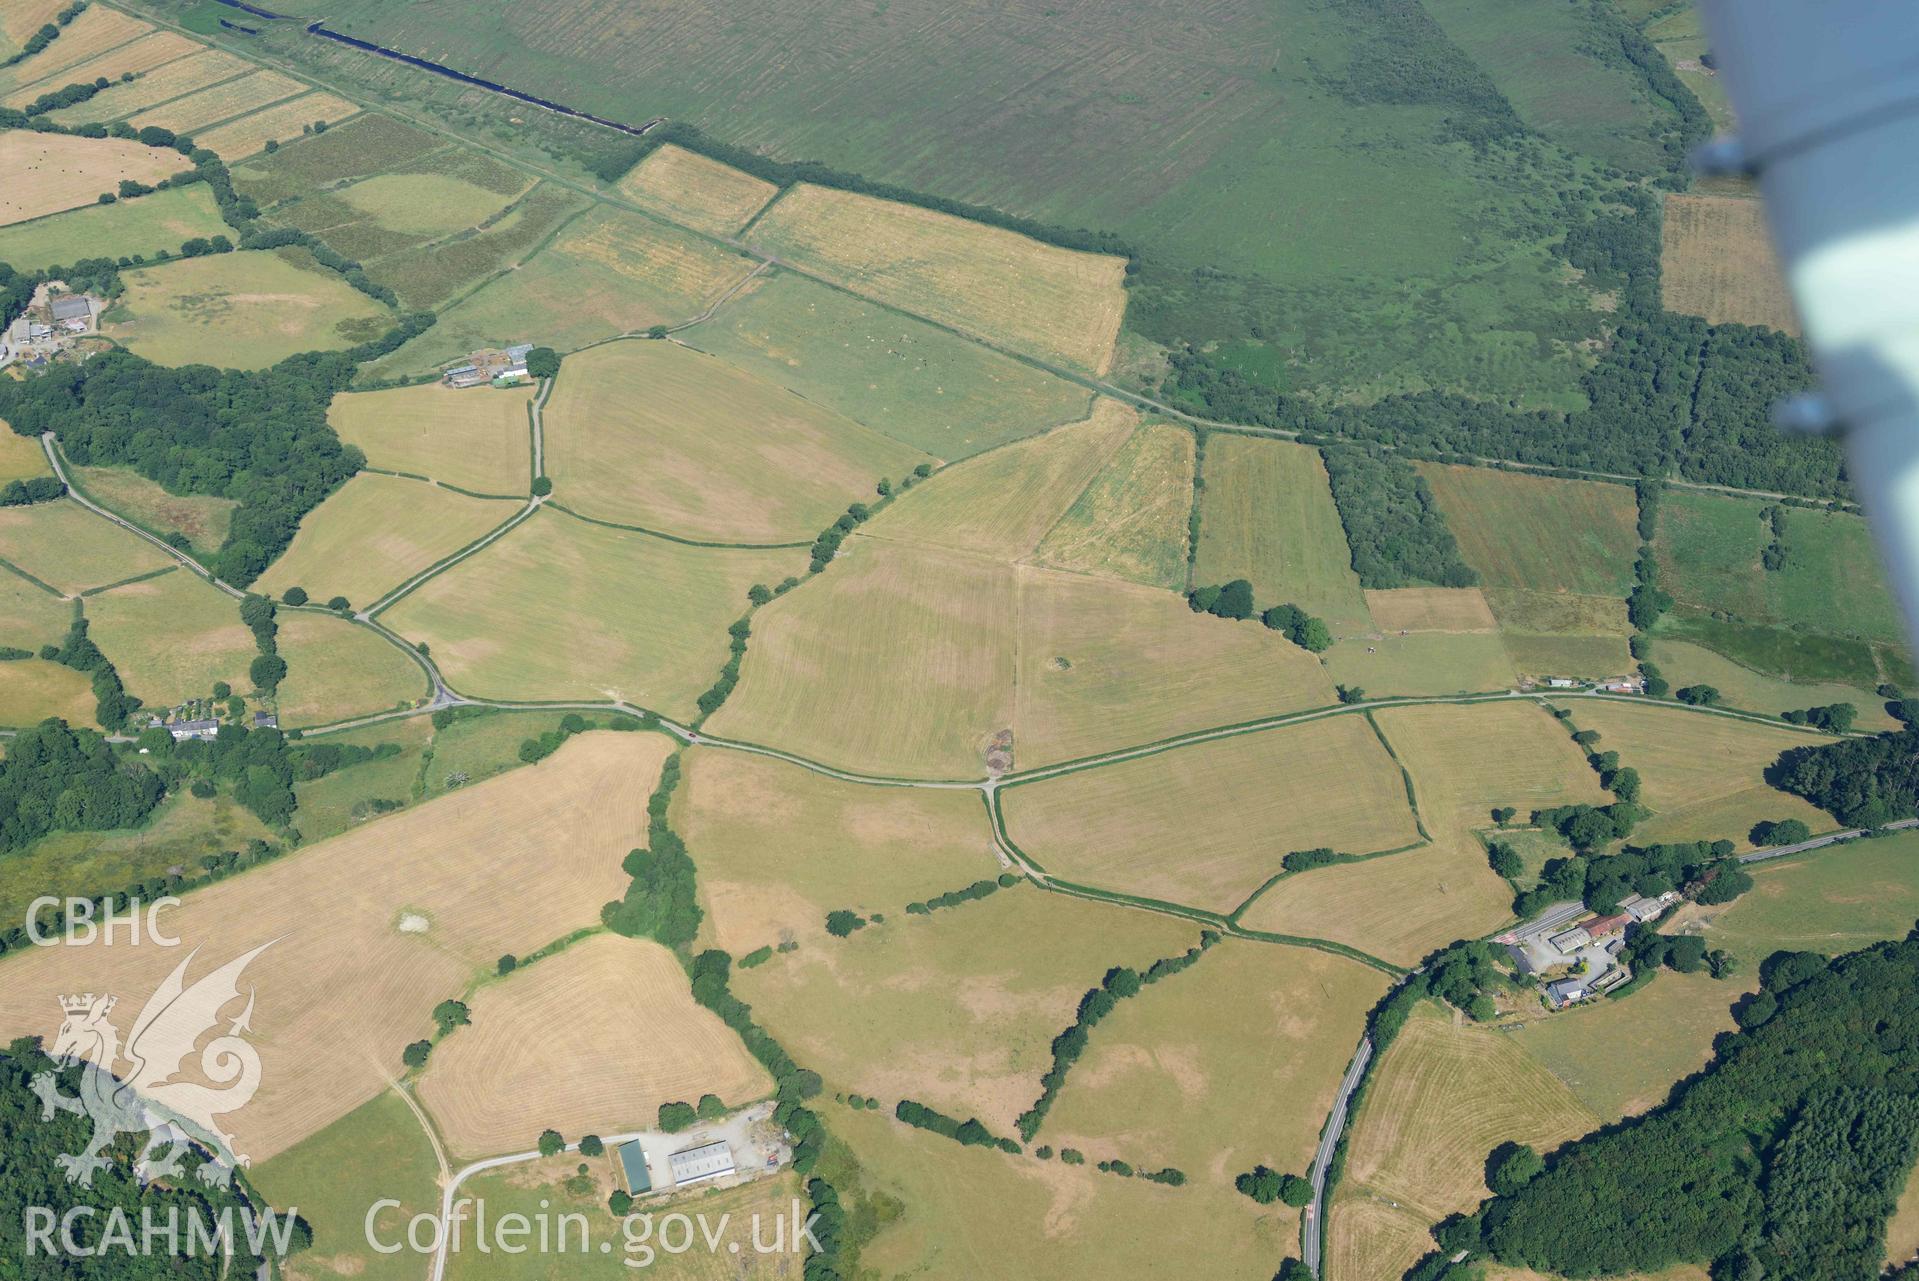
(205, 730)
(696, 1165)
(499, 366)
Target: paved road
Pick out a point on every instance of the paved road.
(1820, 842)
(1328, 1144)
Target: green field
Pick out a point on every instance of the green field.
(559, 608)
(378, 1150)
(1130, 520)
(160, 221)
(172, 637)
(200, 518)
(1681, 36)
(917, 383)
(336, 670)
(21, 457)
(1584, 657)
(1537, 532)
(392, 212)
(370, 144)
(442, 274)
(1266, 515)
(71, 550)
(242, 310)
(32, 689)
(1836, 900)
(478, 439)
(1422, 663)
(1684, 664)
(30, 616)
(344, 798)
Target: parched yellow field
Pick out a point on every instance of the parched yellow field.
(174, 80)
(1001, 503)
(1699, 769)
(896, 660)
(70, 549)
(1540, 533)
(1678, 1272)
(21, 457)
(1464, 760)
(1716, 260)
(32, 690)
(1431, 609)
(507, 865)
(780, 846)
(591, 1040)
(1443, 1096)
(991, 283)
(50, 172)
(1267, 516)
(1557, 613)
(244, 136)
(1190, 1070)
(95, 31)
(336, 670)
(172, 637)
(19, 19)
(221, 102)
(1130, 520)
(661, 436)
(1049, 1219)
(559, 608)
(957, 1009)
(136, 57)
(376, 532)
(242, 310)
(1685, 664)
(1105, 665)
(477, 439)
(1139, 826)
(29, 616)
(202, 519)
(689, 188)
(1622, 1057)
(1422, 663)
(1540, 658)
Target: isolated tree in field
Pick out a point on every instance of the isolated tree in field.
(542, 486)
(1350, 693)
(415, 1055)
(339, 605)
(1294, 1191)
(1511, 1167)
(620, 1203)
(295, 596)
(1505, 861)
(508, 963)
(675, 1117)
(1699, 695)
(710, 1107)
(591, 1145)
(222, 691)
(543, 362)
(840, 923)
(1261, 1183)
(551, 1143)
(1504, 815)
(450, 1014)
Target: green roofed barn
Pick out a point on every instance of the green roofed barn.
(633, 1162)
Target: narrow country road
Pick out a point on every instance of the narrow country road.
(1328, 1144)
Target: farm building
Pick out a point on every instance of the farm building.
(696, 1165)
(1566, 991)
(498, 366)
(73, 313)
(633, 1165)
(201, 729)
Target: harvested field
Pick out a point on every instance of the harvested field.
(957, 1009)
(1431, 609)
(688, 188)
(1423, 663)
(1623, 1057)
(97, 30)
(1105, 665)
(1686, 664)
(21, 457)
(1539, 532)
(911, 380)
(161, 220)
(1716, 260)
(70, 549)
(897, 660)
(201, 519)
(505, 866)
(559, 608)
(1130, 520)
(1443, 1095)
(1050, 1219)
(1694, 764)
(1189, 1069)
(219, 103)
(377, 1150)
(991, 283)
(289, 120)
(1580, 657)
(19, 19)
(1130, 826)
(32, 690)
(1267, 516)
(50, 172)
(162, 84)
(661, 436)
(629, 1038)
(1467, 759)
(1837, 900)
(1001, 504)
(30, 616)
(336, 670)
(376, 532)
(780, 846)
(136, 56)
(172, 637)
(479, 440)
(247, 309)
